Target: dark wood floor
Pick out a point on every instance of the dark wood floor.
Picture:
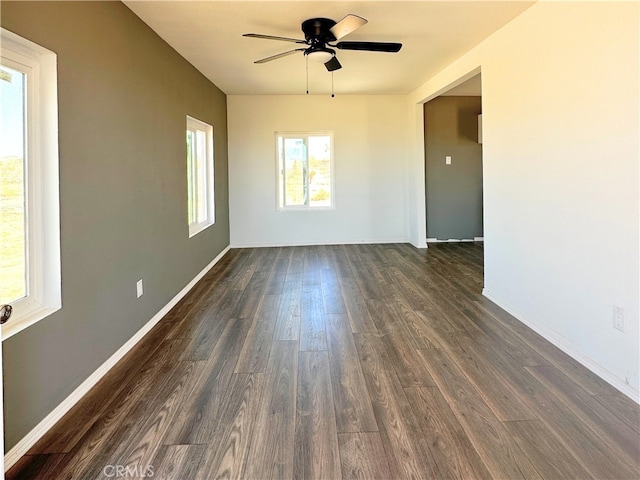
(371, 361)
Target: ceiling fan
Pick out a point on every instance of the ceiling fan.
(319, 35)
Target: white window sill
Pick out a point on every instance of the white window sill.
(305, 209)
(194, 229)
(19, 322)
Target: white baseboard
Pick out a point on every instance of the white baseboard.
(569, 348)
(312, 244)
(29, 440)
(420, 245)
(455, 240)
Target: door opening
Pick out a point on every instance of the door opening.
(453, 164)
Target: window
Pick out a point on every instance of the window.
(201, 207)
(29, 197)
(305, 170)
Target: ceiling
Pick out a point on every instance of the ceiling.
(209, 35)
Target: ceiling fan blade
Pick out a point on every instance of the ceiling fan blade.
(347, 25)
(333, 64)
(370, 46)
(280, 55)
(271, 37)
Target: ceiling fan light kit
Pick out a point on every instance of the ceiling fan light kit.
(321, 55)
(319, 33)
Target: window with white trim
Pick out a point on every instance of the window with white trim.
(305, 170)
(29, 186)
(200, 190)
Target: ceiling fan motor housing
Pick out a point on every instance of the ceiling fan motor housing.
(317, 31)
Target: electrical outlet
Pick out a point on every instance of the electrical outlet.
(139, 289)
(618, 318)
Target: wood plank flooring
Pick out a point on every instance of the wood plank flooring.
(352, 362)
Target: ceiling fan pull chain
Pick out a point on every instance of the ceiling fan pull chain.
(332, 91)
(307, 61)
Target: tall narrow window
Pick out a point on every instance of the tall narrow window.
(29, 197)
(200, 201)
(305, 170)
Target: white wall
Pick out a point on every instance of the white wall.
(561, 171)
(370, 157)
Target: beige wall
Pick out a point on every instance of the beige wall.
(560, 151)
(123, 100)
(370, 155)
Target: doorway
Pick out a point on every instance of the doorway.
(453, 164)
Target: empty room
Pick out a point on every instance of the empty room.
(320, 239)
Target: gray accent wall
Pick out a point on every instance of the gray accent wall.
(453, 192)
(123, 99)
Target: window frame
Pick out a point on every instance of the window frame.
(280, 206)
(44, 288)
(193, 124)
